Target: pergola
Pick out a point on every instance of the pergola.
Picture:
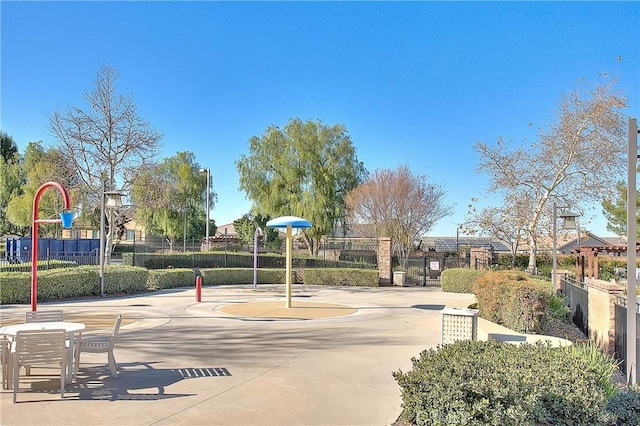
(587, 258)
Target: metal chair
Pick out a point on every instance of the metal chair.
(54, 315)
(101, 344)
(39, 347)
(5, 359)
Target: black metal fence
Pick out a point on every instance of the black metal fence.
(49, 260)
(620, 342)
(577, 298)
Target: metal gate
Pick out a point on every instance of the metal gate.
(424, 271)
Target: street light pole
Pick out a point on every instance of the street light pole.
(208, 206)
(103, 184)
(569, 222)
(632, 164)
(108, 200)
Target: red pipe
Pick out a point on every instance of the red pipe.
(198, 289)
(34, 235)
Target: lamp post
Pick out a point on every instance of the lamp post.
(110, 200)
(632, 165)
(208, 205)
(569, 222)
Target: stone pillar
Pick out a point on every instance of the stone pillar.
(560, 275)
(602, 311)
(480, 258)
(384, 260)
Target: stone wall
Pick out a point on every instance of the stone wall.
(602, 296)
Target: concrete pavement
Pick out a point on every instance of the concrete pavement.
(240, 358)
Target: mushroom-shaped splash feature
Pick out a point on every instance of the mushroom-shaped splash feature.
(288, 223)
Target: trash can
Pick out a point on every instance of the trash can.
(459, 324)
(399, 278)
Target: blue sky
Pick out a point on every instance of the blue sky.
(415, 83)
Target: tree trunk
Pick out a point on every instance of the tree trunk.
(533, 249)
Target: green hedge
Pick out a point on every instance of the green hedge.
(53, 284)
(513, 299)
(82, 281)
(231, 260)
(343, 276)
(459, 280)
(125, 279)
(234, 276)
(492, 383)
(170, 278)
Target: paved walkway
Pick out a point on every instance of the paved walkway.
(240, 358)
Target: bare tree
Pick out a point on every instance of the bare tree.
(506, 223)
(577, 159)
(105, 140)
(398, 204)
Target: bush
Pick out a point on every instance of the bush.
(231, 260)
(480, 383)
(604, 365)
(234, 276)
(459, 280)
(124, 279)
(343, 276)
(170, 278)
(505, 261)
(558, 309)
(513, 299)
(623, 408)
(53, 284)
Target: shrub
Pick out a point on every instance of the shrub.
(170, 278)
(623, 408)
(558, 309)
(52, 285)
(234, 276)
(505, 261)
(513, 299)
(231, 260)
(604, 365)
(480, 383)
(459, 280)
(342, 276)
(124, 279)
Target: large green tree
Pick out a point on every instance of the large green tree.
(576, 160)
(246, 228)
(169, 195)
(40, 165)
(614, 209)
(304, 169)
(11, 181)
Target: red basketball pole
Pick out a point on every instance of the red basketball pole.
(34, 235)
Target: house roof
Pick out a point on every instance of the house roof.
(226, 229)
(590, 240)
